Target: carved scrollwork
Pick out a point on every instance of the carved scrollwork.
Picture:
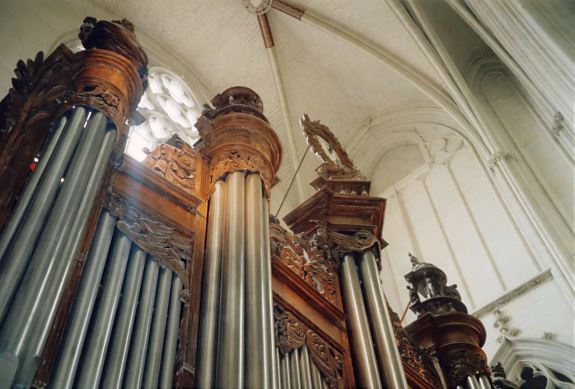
(168, 246)
(336, 163)
(311, 261)
(291, 334)
(176, 162)
(233, 161)
(463, 363)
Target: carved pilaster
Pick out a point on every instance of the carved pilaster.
(236, 136)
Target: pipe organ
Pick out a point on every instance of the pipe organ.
(172, 272)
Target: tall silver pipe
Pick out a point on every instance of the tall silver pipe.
(156, 343)
(315, 376)
(285, 371)
(211, 287)
(15, 261)
(95, 351)
(277, 377)
(30, 190)
(260, 355)
(388, 357)
(295, 373)
(117, 357)
(64, 258)
(137, 357)
(84, 303)
(362, 344)
(25, 317)
(231, 340)
(170, 347)
(305, 368)
(472, 382)
(268, 305)
(484, 382)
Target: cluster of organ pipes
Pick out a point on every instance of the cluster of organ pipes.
(297, 370)
(43, 234)
(236, 317)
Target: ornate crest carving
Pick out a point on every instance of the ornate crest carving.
(168, 246)
(240, 160)
(291, 334)
(336, 163)
(462, 363)
(176, 162)
(311, 261)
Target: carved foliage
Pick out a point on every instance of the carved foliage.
(462, 363)
(291, 333)
(176, 162)
(309, 260)
(167, 245)
(240, 160)
(358, 242)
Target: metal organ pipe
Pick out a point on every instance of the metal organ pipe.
(390, 365)
(137, 356)
(305, 368)
(15, 260)
(156, 342)
(93, 363)
(230, 371)
(117, 357)
(211, 287)
(295, 375)
(82, 308)
(171, 342)
(362, 344)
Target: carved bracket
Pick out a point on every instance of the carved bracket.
(499, 156)
(359, 242)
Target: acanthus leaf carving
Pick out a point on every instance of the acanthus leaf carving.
(359, 242)
(311, 260)
(240, 160)
(168, 246)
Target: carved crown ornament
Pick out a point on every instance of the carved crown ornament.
(336, 164)
(236, 136)
(291, 333)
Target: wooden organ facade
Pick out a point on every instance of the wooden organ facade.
(172, 272)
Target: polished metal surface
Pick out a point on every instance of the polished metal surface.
(484, 382)
(305, 368)
(295, 373)
(472, 383)
(16, 259)
(93, 359)
(172, 330)
(137, 357)
(277, 377)
(362, 344)
(268, 305)
(30, 189)
(315, 376)
(117, 357)
(64, 262)
(285, 371)
(211, 287)
(156, 342)
(388, 358)
(230, 373)
(260, 356)
(71, 350)
(28, 320)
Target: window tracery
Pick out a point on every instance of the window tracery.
(170, 108)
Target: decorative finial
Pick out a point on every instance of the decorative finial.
(413, 259)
